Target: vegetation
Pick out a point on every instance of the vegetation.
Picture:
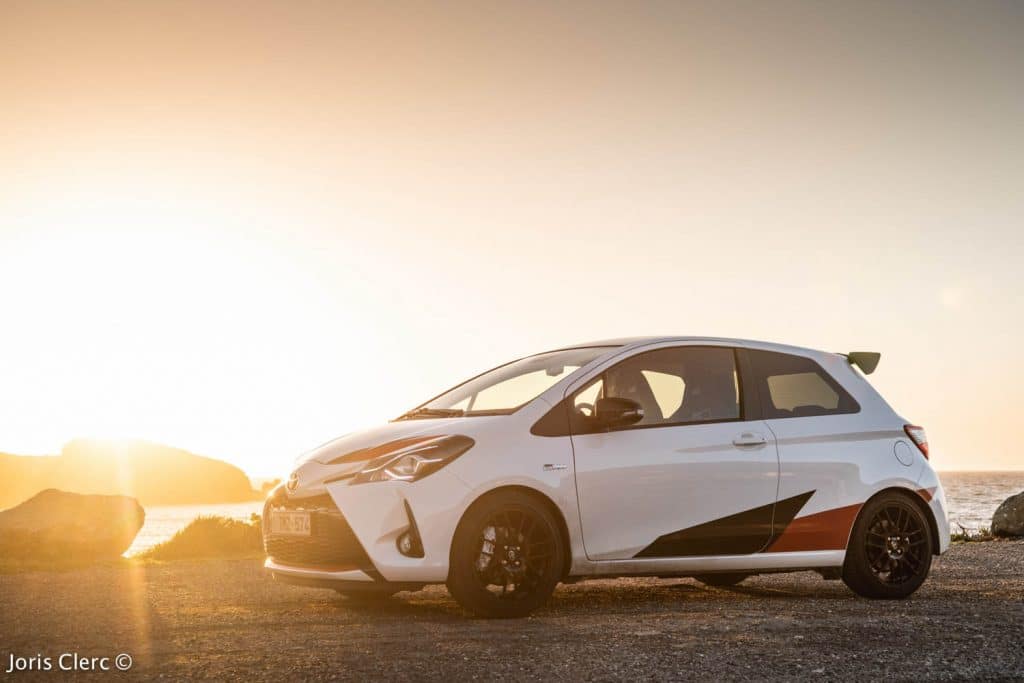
(967, 536)
(211, 538)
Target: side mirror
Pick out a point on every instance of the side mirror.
(617, 412)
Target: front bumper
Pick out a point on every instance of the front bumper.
(331, 547)
(315, 577)
(355, 529)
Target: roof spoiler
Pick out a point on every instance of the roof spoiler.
(867, 361)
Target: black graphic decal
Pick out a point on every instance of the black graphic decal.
(740, 534)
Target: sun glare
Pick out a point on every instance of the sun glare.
(142, 319)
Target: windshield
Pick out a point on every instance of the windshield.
(504, 389)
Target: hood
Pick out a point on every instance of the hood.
(392, 431)
(314, 468)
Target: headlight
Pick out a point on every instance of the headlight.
(416, 461)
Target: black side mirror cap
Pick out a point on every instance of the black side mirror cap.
(612, 411)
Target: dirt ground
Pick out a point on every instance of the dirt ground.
(226, 620)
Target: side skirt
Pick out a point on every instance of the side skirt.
(687, 566)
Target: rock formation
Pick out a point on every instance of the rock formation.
(60, 526)
(1008, 519)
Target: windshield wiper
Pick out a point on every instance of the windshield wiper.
(432, 412)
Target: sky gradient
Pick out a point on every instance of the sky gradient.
(245, 228)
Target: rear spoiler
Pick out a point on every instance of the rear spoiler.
(867, 361)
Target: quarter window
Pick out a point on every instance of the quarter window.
(795, 386)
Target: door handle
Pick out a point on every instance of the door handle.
(749, 439)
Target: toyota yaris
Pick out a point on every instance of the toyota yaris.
(670, 456)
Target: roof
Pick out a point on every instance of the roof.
(644, 341)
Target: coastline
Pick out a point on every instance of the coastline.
(163, 521)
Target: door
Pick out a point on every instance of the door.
(691, 478)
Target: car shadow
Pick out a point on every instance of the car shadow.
(604, 597)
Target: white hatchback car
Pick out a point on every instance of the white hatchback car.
(668, 456)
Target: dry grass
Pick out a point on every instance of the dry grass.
(210, 537)
(967, 536)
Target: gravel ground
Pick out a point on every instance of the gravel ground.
(226, 620)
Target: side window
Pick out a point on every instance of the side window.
(677, 385)
(795, 386)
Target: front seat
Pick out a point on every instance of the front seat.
(708, 396)
(630, 383)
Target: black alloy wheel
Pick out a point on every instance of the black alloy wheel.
(890, 549)
(507, 556)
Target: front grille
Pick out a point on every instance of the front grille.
(331, 543)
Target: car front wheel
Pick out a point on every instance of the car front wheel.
(507, 556)
(890, 549)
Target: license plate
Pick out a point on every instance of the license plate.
(289, 523)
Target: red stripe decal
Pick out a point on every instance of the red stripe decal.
(927, 494)
(825, 530)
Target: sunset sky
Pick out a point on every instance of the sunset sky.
(243, 228)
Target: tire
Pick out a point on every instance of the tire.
(890, 549)
(507, 556)
(722, 580)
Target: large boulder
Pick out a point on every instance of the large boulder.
(56, 525)
(1009, 517)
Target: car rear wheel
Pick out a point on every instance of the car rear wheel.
(507, 556)
(721, 580)
(890, 549)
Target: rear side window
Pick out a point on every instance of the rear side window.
(795, 386)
